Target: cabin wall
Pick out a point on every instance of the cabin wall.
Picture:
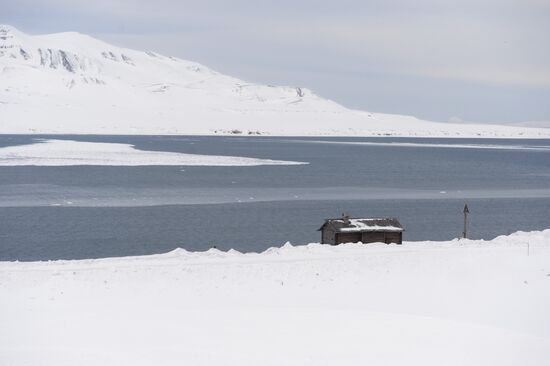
(328, 236)
(396, 238)
(373, 237)
(348, 238)
(382, 237)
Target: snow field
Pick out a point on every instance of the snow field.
(430, 303)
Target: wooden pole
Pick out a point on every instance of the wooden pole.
(466, 212)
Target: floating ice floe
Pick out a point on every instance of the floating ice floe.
(68, 152)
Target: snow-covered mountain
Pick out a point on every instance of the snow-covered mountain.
(73, 83)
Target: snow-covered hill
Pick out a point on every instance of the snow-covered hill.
(73, 83)
(427, 303)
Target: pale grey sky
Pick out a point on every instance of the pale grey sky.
(478, 60)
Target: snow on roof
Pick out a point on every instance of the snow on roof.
(366, 224)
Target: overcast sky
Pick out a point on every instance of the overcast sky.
(473, 60)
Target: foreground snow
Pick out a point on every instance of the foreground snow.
(67, 152)
(73, 83)
(426, 303)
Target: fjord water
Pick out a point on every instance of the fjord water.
(76, 212)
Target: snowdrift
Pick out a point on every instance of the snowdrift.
(431, 303)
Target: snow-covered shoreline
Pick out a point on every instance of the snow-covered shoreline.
(432, 303)
(282, 125)
(536, 134)
(519, 239)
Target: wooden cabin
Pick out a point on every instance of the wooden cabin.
(353, 230)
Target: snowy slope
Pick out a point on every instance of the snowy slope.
(73, 83)
(426, 303)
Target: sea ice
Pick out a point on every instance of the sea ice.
(68, 152)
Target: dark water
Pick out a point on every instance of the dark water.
(90, 212)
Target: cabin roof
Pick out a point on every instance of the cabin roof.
(363, 225)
